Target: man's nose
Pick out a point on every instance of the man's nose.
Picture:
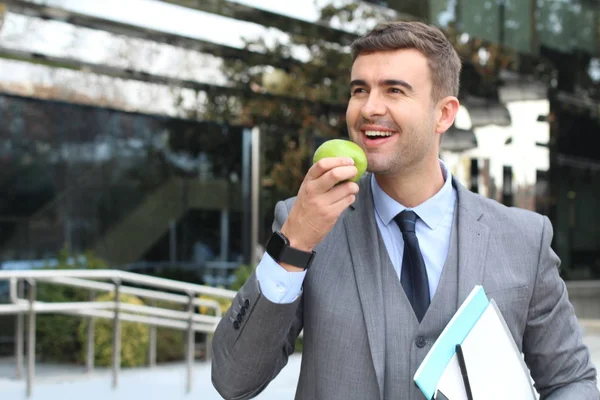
(373, 107)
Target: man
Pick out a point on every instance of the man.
(372, 272)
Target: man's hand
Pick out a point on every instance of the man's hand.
(320, 202)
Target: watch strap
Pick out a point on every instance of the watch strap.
(297, 258)
(278, 247)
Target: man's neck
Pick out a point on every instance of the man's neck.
(414, 187)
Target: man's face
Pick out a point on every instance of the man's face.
(390, 113)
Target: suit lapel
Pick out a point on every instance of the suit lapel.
(363, 239)
(473, 237)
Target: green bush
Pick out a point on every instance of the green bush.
(299, 345)
(170, 345)
(134, 337)
(56, 338)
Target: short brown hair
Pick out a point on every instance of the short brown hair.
(444, 63)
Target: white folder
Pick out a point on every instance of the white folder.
(492, 365)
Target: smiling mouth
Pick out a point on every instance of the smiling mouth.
(377, 134)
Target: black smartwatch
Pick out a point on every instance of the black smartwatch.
(278, 247)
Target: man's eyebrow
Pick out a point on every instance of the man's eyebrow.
(385, 82)
(358, 82)
(397, 82)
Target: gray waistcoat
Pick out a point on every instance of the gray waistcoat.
(406, 341)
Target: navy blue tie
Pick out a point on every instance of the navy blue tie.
(414, 274)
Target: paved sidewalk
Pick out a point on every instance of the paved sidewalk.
(55, 382)
(591, 337)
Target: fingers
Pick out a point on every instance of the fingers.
(340, 192)
(339, 206)
(327, 182)
(334, 176)
(326, 164)
(338, 172)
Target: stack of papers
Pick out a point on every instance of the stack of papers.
(475, 357)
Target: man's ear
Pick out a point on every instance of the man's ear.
(447, 109)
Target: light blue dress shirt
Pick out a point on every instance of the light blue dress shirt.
(433, 230)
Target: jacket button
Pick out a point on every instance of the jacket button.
(420, 342)
(239, 317)
(236, 325)
(246, 303)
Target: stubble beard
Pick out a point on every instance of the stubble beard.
(406, 156)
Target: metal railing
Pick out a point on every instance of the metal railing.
(190, 320)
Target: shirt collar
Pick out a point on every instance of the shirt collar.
(431, 211)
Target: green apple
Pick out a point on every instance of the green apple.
(343, 148)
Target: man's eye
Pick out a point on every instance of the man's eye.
(358, 90)
(396, 90)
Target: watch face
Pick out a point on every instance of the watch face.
(279, 249)
(276, 245)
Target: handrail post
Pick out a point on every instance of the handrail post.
(152, 345)
(116, 335)
(19, 334)
(190, 344)
(91, 331)
(31, 338)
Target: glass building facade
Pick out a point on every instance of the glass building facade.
(136, 190)
(523, 25)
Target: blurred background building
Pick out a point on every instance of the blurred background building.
(126, 126)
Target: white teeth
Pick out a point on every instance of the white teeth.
(378, 133)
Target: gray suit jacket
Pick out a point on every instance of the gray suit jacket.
(507, 250)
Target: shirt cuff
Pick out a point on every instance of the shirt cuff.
(276, 284)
